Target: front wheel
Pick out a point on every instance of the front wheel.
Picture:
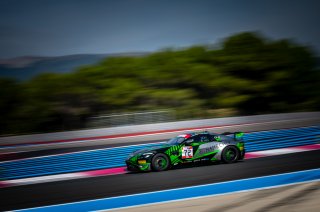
(230, 154)
(160, 162)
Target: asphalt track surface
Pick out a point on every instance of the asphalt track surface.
(36, 195)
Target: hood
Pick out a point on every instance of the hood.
(150, 149)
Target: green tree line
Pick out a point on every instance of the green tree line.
(245, 74)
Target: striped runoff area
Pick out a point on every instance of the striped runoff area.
(110, 158)
(123, 170)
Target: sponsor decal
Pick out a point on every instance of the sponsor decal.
(187, 152)
(209, 147)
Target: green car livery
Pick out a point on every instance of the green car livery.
(186, 148)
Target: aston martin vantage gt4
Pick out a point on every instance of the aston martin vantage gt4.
(188, 148)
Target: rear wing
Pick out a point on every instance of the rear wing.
(236, 135)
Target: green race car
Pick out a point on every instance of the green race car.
(186, 148)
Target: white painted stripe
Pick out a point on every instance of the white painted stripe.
(44, 179)
(277, 151)
(301, 148)
(282, 151)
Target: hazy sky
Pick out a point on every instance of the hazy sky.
(60, 27)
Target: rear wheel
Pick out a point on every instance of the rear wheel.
(230, 154)
(160, 162)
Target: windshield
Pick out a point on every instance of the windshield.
(176, 140)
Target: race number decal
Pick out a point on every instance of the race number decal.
(187, 152)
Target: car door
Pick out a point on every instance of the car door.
(190, 149)
(207, 147)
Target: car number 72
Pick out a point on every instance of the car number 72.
(187, 152)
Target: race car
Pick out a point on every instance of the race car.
(189, 148)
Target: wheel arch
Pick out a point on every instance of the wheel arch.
(231, 145)
(161, 153)
(234, 145)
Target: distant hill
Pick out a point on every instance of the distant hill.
(24, 68)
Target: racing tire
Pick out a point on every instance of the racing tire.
(230, 154)
(160, 162)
